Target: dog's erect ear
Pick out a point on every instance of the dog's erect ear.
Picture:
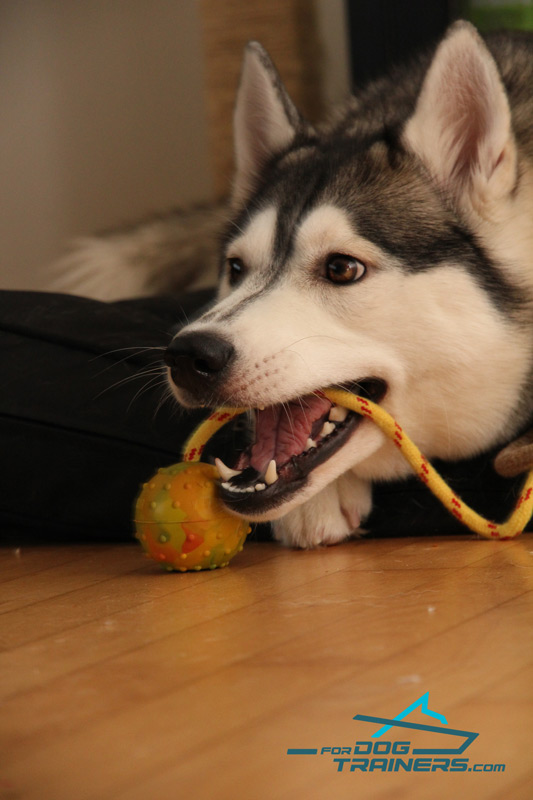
(461, 127)
(265, 119)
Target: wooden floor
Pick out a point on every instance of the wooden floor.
(120, 681)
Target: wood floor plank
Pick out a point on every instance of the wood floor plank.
(95, 598)
(324, 717)
(150, 606)
(17, 562)
(208, 648)
(56, 581)
(144, 682)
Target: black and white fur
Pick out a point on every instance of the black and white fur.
(425, 180)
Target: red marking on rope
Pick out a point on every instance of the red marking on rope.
(364, 407)
(201, 449)
(191, 454)
(492, 526)
(224, 416)
(424, 469)
(423, 478)
(494, 534)
(523, 498)
(457, 514)
(455, 502)
(398, 427)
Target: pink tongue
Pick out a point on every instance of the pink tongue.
(282, 431)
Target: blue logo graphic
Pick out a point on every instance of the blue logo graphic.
(378, 755)
(422, 703)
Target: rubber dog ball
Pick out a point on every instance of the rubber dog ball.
(182, 524)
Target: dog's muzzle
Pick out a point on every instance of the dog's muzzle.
(198, 362)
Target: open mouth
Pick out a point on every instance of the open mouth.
(291, 440)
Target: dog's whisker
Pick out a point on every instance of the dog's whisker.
(234, 224)
(300, 356)
(304, 412)
(124, 361)
(149, 386)
(153, 371)
(166, 396)
(137, 351)
(285, 407)
(312, 336)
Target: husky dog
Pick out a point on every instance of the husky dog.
(389, 252)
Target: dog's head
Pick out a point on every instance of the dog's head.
(354, 258)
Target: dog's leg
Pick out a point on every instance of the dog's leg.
(330, 516)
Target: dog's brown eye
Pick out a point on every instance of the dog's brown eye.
(236, 270)
(344, 269)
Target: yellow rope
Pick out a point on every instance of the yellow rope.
(194, 446)
(512, 527)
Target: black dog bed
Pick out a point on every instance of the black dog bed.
(83, 423)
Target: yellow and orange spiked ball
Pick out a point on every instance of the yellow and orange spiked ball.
(182, 524)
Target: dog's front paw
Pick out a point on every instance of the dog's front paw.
(330, 516)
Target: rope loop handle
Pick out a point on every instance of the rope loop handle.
(512, 527)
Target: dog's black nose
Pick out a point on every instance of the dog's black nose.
(197, 360)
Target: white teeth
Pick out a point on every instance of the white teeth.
(243, 489)
(231, 487)
(310, 444)
(338, 414)
(225, 472)
(327, 428)
(271, 475)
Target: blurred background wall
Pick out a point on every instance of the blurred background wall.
(114, 109)
(111, 110)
